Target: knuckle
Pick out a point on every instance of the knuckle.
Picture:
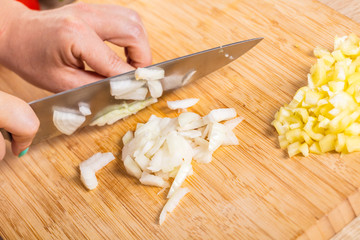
(134, 16)
(70, 25)
(136, 31)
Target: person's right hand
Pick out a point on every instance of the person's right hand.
(19, 119)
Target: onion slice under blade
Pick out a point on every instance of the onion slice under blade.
(67, 122)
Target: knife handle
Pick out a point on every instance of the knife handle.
(6, 134)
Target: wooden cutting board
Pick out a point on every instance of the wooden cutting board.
(250, 191)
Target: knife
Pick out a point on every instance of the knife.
(178, 72)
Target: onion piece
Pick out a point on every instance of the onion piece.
(84, 108)
(232, 123)
(89, 167)
(182, 104)
(149, 74)
(216, 136)
(180, 176)
(187, 118)
(137, 94)
(191, 133)
(124, 86)
(121, 111)
(129, 135)
(131, 167)
(88, 178)
(221, 114)
(172, 203)
(67, 122)
(152, 180)
(155, 88)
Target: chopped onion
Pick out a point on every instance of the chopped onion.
(232, 123)
(131, 167)
(84, 108)
(182, 104)
(89, 167)
(216, 136)
(127, 137)
(124, 86)
(67, 122)
(163, 148)
(152, 180)
(187, 118)
(221, 114)
(191, 133)
(88, 178)
(180, 177)
(137, 94)
(121, 111)
(155, 88)
(149, 74)
(172, 203)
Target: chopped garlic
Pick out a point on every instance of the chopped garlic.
(323, 116)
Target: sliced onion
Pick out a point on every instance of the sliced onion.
(124, 86)
(149, 74)
(89, 167)
(152, 180)
(121, 111)
(221, 114)
(142, 161)
(217, 135)
(138, 94)
(155, 88)
(129, 135)
(84, 108)
(88, 178)
(182, 104)
(172, 203)
(232, 123)
(180, 177)
(131, 167)
(67, 122)
(191, 133)
(187, 118)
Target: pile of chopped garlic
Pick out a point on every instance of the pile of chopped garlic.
(324, 115)
(163, 148)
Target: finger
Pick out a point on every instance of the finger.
(99, 56)
(123, 28)
(2, 147)
(19, 119)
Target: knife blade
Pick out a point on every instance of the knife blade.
(178, 72)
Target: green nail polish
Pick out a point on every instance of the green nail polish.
(23, 152)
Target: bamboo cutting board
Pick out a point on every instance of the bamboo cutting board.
(250, 191)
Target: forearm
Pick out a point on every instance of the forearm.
(10, 11)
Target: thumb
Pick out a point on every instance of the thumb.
(99, 56)
(19, 120)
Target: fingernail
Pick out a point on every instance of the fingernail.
(23, 152)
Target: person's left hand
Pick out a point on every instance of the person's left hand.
(49, 48)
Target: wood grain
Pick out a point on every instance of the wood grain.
(251, 191)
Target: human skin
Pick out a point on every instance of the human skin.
(50, 48)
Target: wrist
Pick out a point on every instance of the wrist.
(10, 12)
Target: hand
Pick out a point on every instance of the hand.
(20, 120)
(49, 48)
